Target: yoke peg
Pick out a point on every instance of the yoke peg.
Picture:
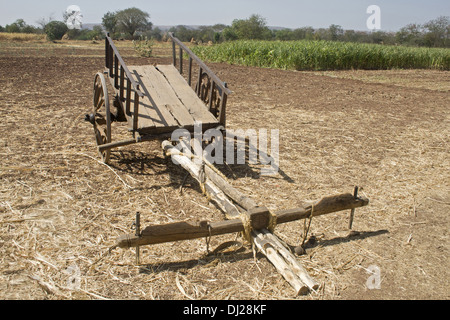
(138, 234)
(352, 212)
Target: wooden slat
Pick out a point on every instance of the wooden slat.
(190, 72)
(136, 110)
(122, 83)
(164, 95)
(144, 120)
(128, 99)
(186, 95)
(151, 115)
(168, 102)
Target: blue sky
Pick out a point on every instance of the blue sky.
(350, 14)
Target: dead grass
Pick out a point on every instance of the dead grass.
(61, 210)
(21, 37)
(401, 78)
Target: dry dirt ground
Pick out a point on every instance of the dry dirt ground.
(61, 209)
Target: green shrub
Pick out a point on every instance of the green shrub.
(144, 47)
(55, 30)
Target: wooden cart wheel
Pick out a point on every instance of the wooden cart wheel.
(102, 115)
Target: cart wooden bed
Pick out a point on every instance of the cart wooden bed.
(155, 100)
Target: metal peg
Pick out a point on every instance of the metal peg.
(352, 212)
(138, 234)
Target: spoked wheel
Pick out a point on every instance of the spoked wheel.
(102, 115)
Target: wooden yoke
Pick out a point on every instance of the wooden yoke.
(259, 217)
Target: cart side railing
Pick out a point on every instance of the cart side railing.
(215, 92)
(119, 74)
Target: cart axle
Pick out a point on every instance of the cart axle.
(90, 118)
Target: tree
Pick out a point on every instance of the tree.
(217, 37)
(410, 35)
(12, 28)
(183, 33)
(382, 37)
(437, 32)
(16, 27)
(229, 34)
(252, 28)
(320, 34)
(304, 33)
(205, 33)
(55, 30)
(336, 32)
(132, 20)
(19, 26)
(44, 21)
(284, 35)
(109, 21)
(155, 33)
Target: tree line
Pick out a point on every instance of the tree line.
(132, 23)
(434, 33)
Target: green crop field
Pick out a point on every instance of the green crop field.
(324, 55)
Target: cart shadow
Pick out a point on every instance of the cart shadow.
(255, 163)
(139, 163)
(203, 262)
(352, 236)
(208, 261)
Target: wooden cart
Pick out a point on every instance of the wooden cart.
(155, 100)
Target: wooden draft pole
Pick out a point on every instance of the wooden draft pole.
(244, 215)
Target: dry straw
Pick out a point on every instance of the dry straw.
(59, 207)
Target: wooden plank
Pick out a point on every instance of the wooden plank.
(186, 95)
(163, 106)
(144, 119)
(150, 115)
(165, 97)
(168, 102)
(145, 122)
